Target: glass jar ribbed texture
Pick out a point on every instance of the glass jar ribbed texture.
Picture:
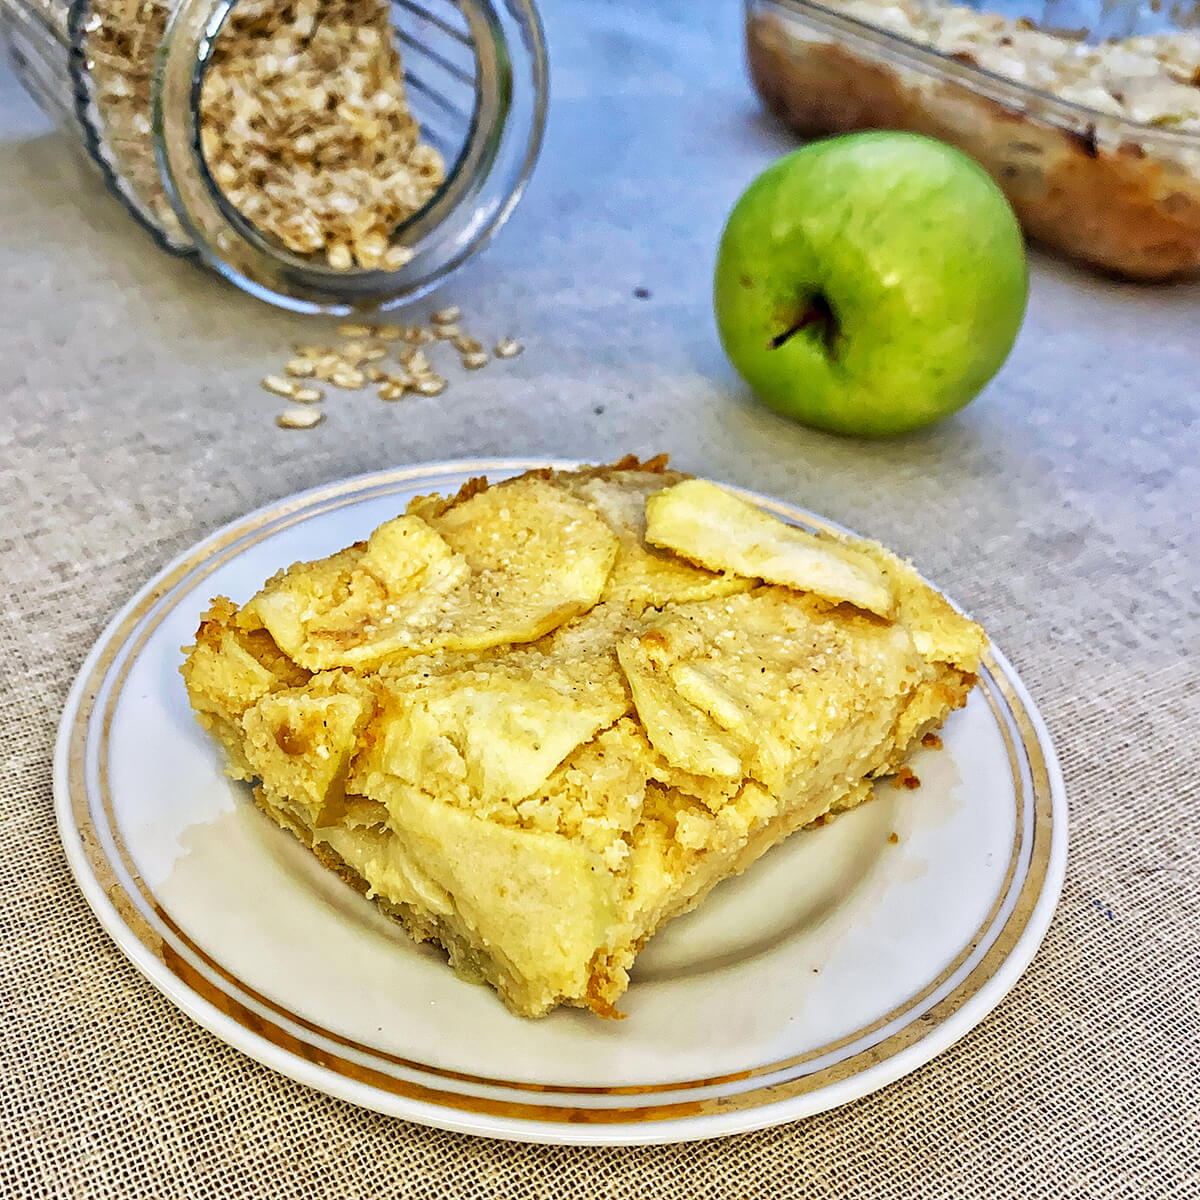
(325, 155)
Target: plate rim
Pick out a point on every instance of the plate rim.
(109, 903)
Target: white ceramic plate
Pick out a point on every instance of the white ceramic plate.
(844, 959)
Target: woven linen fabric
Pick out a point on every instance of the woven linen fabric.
(1058, 509)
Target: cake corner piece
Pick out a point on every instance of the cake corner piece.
(536, 720)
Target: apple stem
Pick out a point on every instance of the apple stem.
(818, 312)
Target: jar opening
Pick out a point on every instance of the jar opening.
(474, 131)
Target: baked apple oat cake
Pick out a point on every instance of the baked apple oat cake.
(538, 719)
(1095, 143)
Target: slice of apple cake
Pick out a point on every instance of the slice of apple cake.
(536, 720)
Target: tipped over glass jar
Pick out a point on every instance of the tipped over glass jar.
(324, 155)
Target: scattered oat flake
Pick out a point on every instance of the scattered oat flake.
(338, 256)
(352, 366)
(299, 418)
(396, 257)
(278, 385)
(349, 379)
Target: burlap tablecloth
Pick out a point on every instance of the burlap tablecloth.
(1060, 509)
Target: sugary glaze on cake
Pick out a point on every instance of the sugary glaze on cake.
(534, 736)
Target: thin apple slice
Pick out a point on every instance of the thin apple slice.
(686, 736)
(357, 607)
(538, 557)
(503, 566)
(708, 525)
(645, 576)
(491, 727)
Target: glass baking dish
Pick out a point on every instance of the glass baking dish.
(1093, 132)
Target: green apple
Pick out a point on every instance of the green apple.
(871, 283)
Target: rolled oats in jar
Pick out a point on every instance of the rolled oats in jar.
(323, 154)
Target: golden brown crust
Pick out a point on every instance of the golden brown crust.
(600, 987)
(433, 506)
(223, 619)
(658, 464)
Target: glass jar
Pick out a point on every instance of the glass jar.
(474, 78)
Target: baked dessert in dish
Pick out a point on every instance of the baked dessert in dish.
(536, 720)
(1095, 143)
